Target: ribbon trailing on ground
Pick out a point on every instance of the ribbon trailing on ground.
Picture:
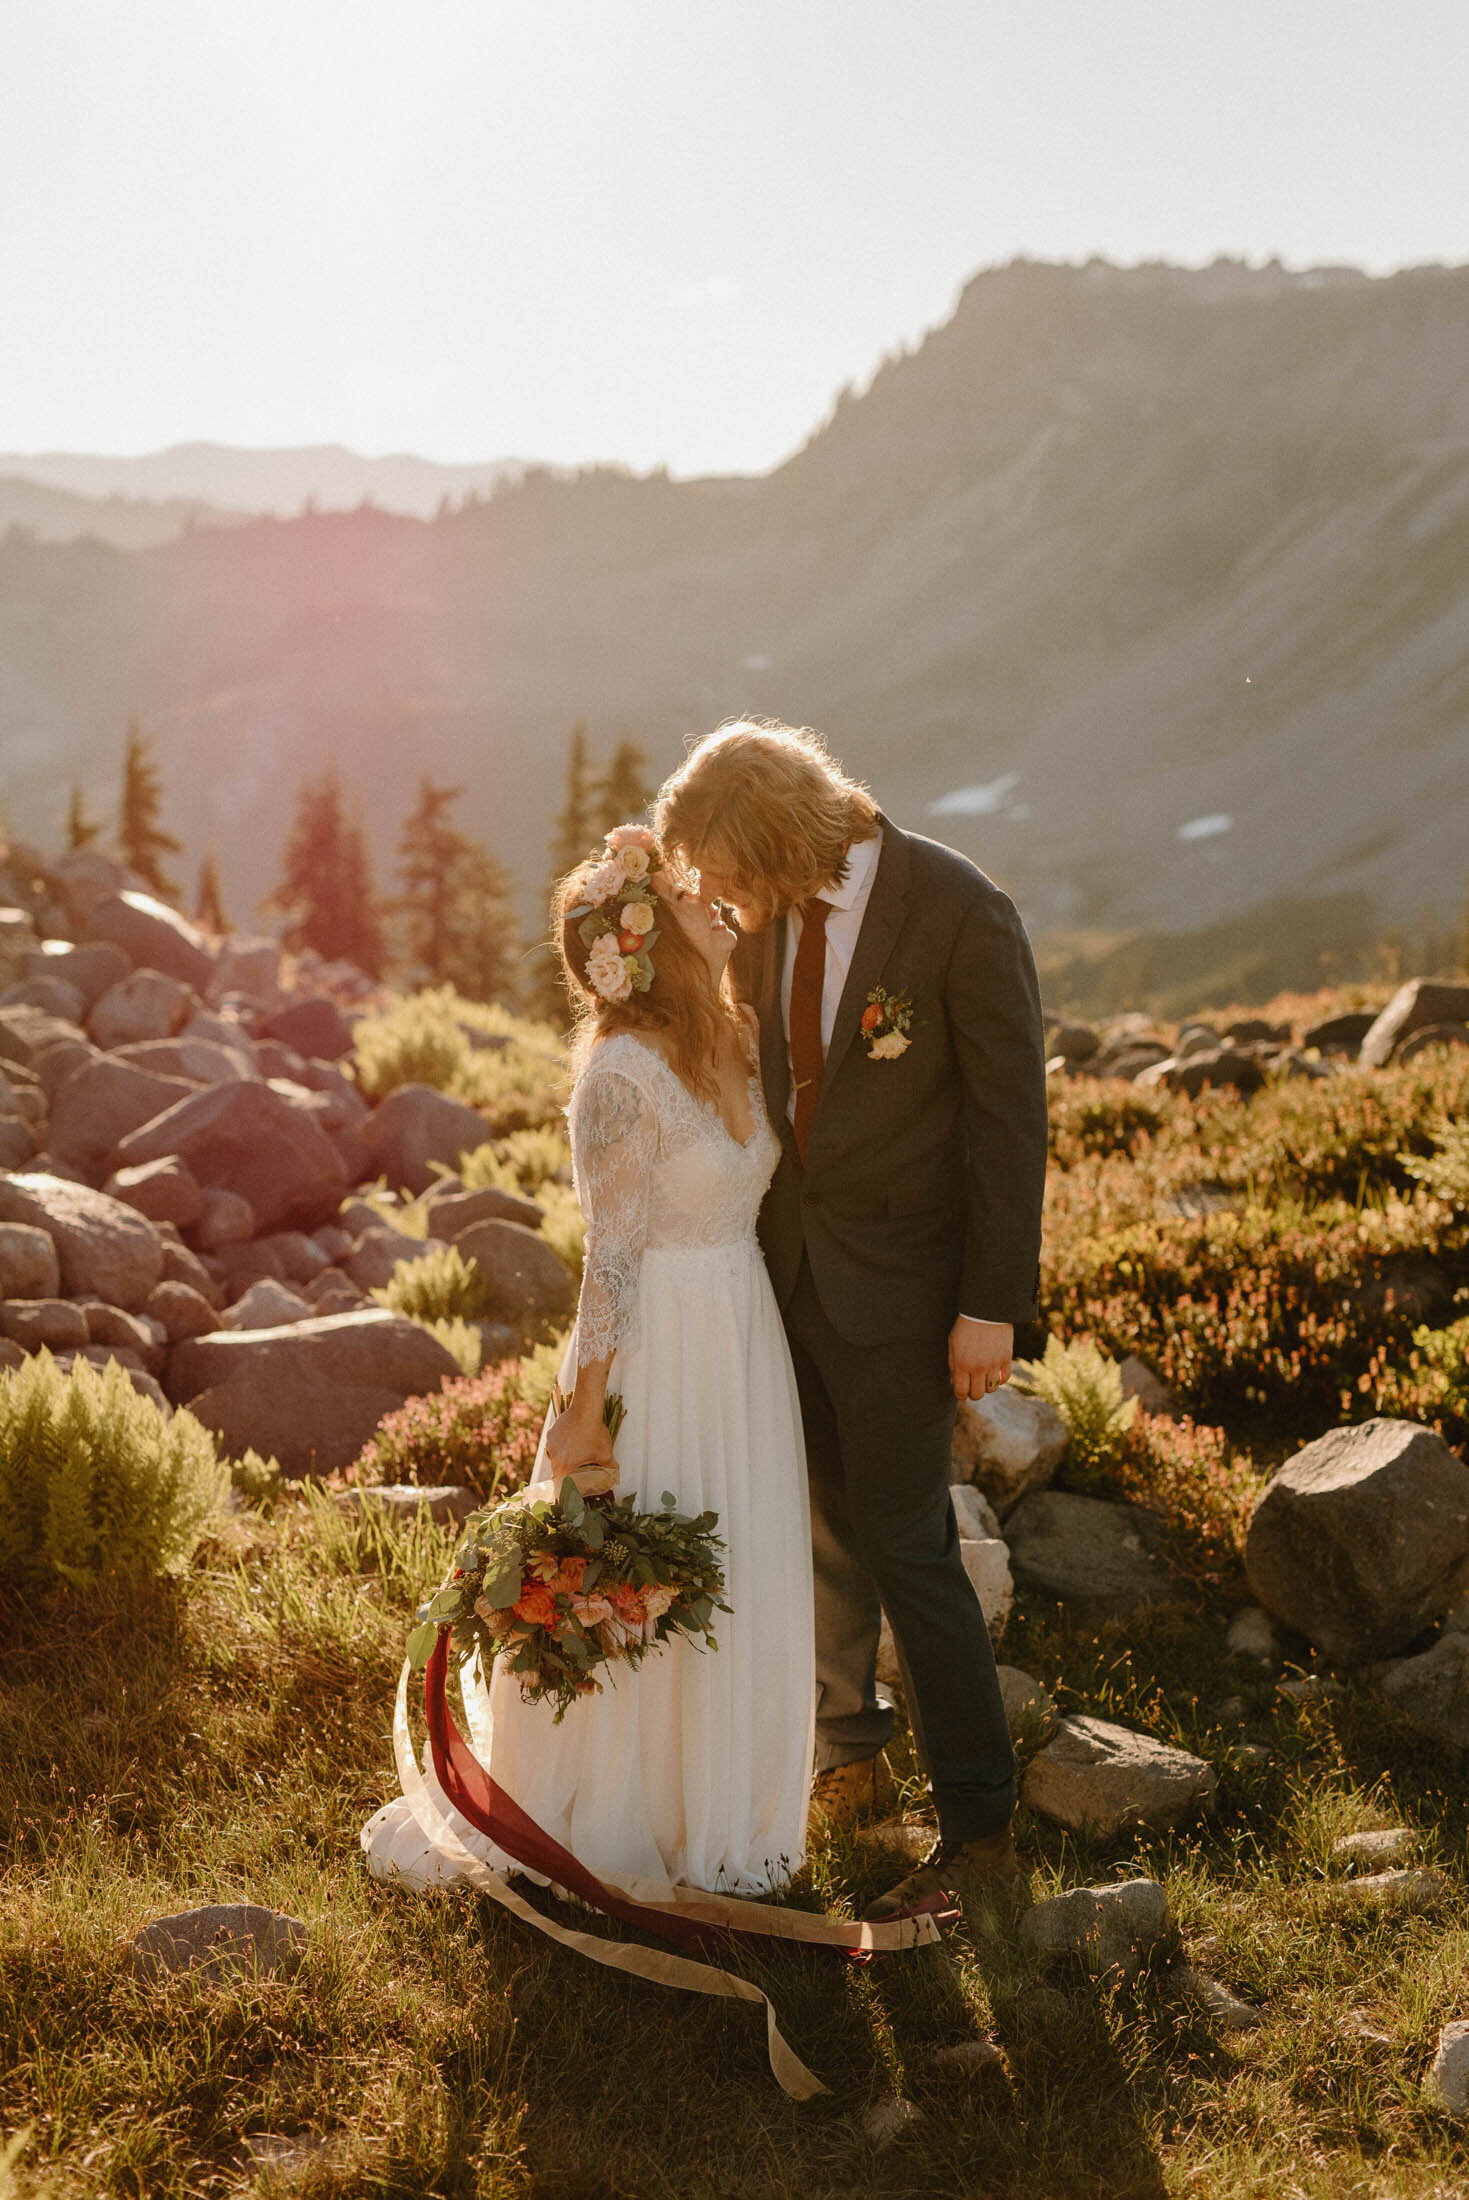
(688, 1917)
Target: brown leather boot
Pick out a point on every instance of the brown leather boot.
(849, 1793)
(950, 1871)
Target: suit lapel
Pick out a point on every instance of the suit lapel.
(887, 906)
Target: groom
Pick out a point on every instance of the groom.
(903, 1064)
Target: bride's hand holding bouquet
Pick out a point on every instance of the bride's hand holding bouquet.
(579, 1449)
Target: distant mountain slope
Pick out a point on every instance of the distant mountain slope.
(128, 523)
(1149, 588)
(276, 481)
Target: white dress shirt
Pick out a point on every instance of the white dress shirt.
(848, 907)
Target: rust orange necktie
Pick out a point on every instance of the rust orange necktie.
(808, 981)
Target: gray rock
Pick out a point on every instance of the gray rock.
(1029, 1707)
(146, 1004)
(249, 966)
(29, 1268)
(977, 1518)
(1339, 1034)
(238, 1266)
(332, 1293)
(1151, 1393)
(103, 1247)
(887, 2120)
(309, 1426)
(441, 1501)
(301, 1257)
(1220, 1066)
(1431, 1035)
(112, 1325)
(98, 1107)
(1402, 1890)
(223, 1031)
(1074, 1042)
(60, 1061)
(247, 1138)
(1447, 2083)
(1093, 1556)
(457, 1211)
(1384, 1846)
(164, 1191)
(528, 1282)
(90, 970)
(1363, 1538)
(53, 1323)
(266, 1305)
(201, 1061)
(221, 1941)
(153, 937)
(966, 2055)
(183, 1311)
(26, 1033)
(1216, 2001)
(1420, 1002)
(987, 1563)
(224, 1219)
(54, 995)
(85, 876)
(416, 1125)
(1431, 1691)
(182, 1266)
(1252, 1636)
(1104, 1777)
(378, 1252)
(17, 1142)
(1111, 1928)
(315, 1027)
(1007, 1444)
(333, 1239)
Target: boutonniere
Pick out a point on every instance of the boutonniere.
(885, 1022)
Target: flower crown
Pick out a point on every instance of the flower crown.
(619, 958)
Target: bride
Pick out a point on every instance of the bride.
(693, 1769)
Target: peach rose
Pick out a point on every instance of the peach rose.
(637, 916)
(623, 837)
(889, 1046)
(608, 879)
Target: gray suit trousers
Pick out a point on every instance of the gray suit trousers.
(879, 1423)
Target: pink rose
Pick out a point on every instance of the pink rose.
(631, 836)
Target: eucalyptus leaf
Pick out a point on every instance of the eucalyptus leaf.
(445, 1605)
(421, 1645)
(502, 1587)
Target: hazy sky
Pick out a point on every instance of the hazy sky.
(660, 230)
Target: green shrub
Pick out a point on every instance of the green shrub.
(415, 1040)
(479, 1430)
(1429, 1384)
(1446, 1169)
(1085, 1387)
(476, 1052)
(1101, 1115)
(95, 1479)
(1355, 1135)
(259, 1481)
(461, 1338)
(1201, 1487)
(522, 1162)
(439, 1286)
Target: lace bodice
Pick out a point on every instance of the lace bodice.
(655, 1170)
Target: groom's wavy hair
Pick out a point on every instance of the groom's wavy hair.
(772, 802)
(683, 1001)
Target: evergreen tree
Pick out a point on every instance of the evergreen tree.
(456, 917)
(209, 897)
(141, 840)
(623, 793)
(576, 822)
(326, 891)
(81, 830)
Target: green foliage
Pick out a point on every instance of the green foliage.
(1201, 1487)
(209, 911)
(415, 1040)
(96, 1480)
(478, 1431)
(1101, 1115)
(475, 1051)
(625, 791)
(258, 1481)
(1430, 1383)
(326, 891)
(1445, 1170)
(141, 840)
(525, 1161)
(1085, 1387)
(459, 1337)
(439, 1286)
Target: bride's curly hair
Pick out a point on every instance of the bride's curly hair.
(683, 1002)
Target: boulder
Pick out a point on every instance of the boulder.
(277, 1060)
(416, 1125)
(56, 1063)
(266, 1305)
(1252, 1637)
(238, 1266)
(1111, 1928)
(248, 966)
(29, 1268)
(1431, 1691)
(146, 1004)
(1420, 1002)
(528, 1282)
(164, 1191)
(377, 1253)
(307, 1425)
(1386, 1845)
(1363, 1538)
(17, 1142)
(182, 1266)
(247, 1138)
(221, 1941)
(315, 1027)
(1339, 1034)
(1151, 1393)
(182, 1311)
(1074, 1042)
(408, 1500)
(85, 877)
(301, 1257)
(1093, 1556)
(1098, 1777)
(224, 1219)
(978, 1521)
(53, 1323)
(1007, 1444)
(1447, 2084)
(54, 995)
(1228, 1067)
(102, 1246)
(91, 969)
(457, 1211)
(224, 1031)
(987, 1563)
(1414, 1890)
(1028, 1705)
(1431, 1035)
(134, 1333)
(1216, 2001)
(25, 1033)
(153, 937)
(96, 1109)
(201, 1061)
(374, 1346)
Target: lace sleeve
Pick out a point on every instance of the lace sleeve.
(614, 1135)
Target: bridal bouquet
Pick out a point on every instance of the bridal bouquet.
(559, 1587)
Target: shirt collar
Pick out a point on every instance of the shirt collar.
(861, 863)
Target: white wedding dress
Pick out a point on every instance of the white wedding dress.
(694, 1768)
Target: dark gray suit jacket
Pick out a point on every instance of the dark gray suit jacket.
(921, 1197)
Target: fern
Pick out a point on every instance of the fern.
(1446, 1170)
(1085, 1387)
(96, 1480)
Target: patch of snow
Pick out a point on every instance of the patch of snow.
(981, 801)
(1204, 828)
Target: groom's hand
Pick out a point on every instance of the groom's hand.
(979, 1356)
